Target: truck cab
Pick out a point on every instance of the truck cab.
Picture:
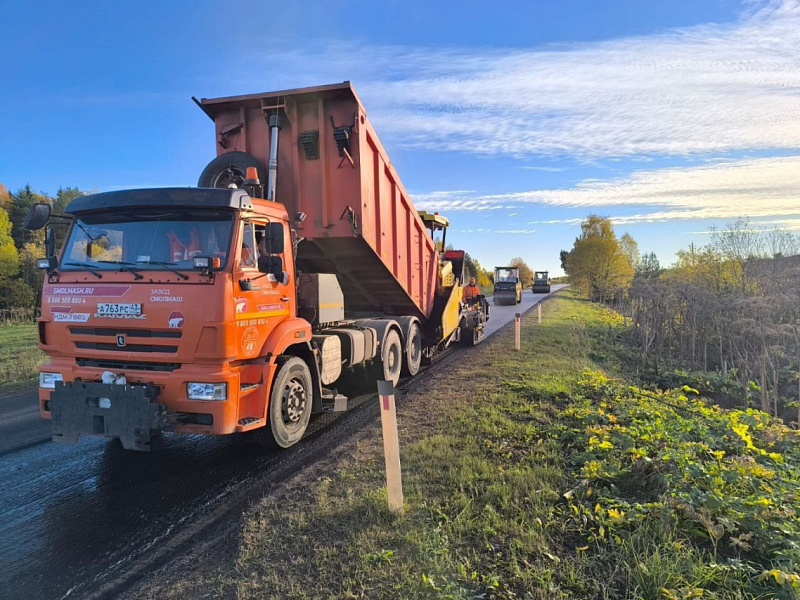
(507, 285)
(164, 291)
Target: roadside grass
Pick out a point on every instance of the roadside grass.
(535, 474)
(20, 356)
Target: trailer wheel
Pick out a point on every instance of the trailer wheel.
(388, 367)
(289, 405)
(228, 170)
(413, 354)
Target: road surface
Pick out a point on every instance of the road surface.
(81, 520)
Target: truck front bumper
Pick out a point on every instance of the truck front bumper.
(128, 412)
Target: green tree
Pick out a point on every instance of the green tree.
(63, 197)
(474, 269)
(564, 256)
(648, 266)
(20, 205)
(525, 272)
(28, 271)
(9, 258)
(15, 293)
(597, 263)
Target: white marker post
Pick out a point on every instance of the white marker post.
(539, 308)
(516, 332)
(391, 446)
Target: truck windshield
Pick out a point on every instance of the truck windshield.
(153, 239)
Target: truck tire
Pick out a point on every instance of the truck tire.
(229, 169)
(413, 354)
(289, 405)
(391, 361)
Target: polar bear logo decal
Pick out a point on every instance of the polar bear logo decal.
(175, 320)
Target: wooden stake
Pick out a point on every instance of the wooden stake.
(391, 446)
(516, 331)
(539, 309)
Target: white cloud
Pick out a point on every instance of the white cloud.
(548, 169)
(756, 188)
(710, 88)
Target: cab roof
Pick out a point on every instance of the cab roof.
(172, 197)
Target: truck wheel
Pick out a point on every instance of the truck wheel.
(413, 354)
(289, 405)
(388, 368)
(228, 170)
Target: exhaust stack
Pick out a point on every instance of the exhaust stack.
(272, 173)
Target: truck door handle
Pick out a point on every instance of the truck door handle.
(284, 298)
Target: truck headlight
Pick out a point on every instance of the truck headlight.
(48, 380)
(207, 391)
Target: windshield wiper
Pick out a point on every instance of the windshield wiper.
(89, 267)
(169, 266)
(124, 266)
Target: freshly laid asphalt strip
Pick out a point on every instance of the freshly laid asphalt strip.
(88, 520)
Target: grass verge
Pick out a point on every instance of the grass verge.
(20, 356)
(536, 475)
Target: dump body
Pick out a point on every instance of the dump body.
(360, 222)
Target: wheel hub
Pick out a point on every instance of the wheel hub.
(294, 402)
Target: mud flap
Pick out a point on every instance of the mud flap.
(122, 411)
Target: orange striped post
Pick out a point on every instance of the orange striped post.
(539, 308)
(516, 332)
(391, 446)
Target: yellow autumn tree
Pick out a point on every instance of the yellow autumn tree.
(598, 264)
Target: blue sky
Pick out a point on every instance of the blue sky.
(516, 119)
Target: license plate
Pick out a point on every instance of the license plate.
(115, 308)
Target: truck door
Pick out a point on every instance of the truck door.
(261, 300)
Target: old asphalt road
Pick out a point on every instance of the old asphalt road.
(88, 520)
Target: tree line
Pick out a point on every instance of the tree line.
(485, 277)
(20, 280)
(726, 314)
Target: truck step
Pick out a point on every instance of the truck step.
(334, 401)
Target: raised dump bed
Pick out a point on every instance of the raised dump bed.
(360, 222)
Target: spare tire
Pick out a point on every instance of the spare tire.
(229, 170)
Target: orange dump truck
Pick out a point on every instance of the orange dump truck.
(297, 268)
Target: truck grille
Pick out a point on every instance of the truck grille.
(126, 365)
(126, 348)
(146, 333)
(110, 345)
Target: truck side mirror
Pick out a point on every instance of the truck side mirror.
(272, 265)
(38, 215)
(274, 237)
